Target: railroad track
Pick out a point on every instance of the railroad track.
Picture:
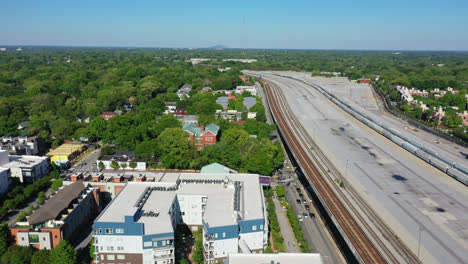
(334, 199)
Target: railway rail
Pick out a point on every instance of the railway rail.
(362, 242)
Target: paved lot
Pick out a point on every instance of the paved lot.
(419, 202)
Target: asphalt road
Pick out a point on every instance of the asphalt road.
(424, 207)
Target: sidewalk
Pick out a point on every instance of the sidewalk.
(289, 239)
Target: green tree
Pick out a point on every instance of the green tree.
(198, 254)
(3, 238)
(101, 165)
(40, 257)
(41, 198)
(123, 165)
(183, 261)
(91, 249)
(56, 184)
(452, 119)
(63, 253)
(133, 164)
(115, 165)
(106, 150)
(280, 191)
(17, 255)
(175, 147)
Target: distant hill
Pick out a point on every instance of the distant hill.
(218, 47)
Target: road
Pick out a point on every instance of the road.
(419, 202)
(313, 228)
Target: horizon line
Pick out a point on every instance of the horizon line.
(224, 48)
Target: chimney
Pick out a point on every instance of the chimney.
(74, 178)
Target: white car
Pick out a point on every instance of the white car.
(299, 217)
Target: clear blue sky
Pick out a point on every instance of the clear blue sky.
(339, 24)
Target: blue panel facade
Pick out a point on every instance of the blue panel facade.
(229, 232)
(247, 226)
(130, 228)
(154, 237)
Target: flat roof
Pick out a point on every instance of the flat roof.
(24, 161)
(280, 258)
(66, 149)
(219, 209)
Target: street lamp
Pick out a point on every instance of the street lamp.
(419, 239)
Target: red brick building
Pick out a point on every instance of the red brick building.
(202, 136)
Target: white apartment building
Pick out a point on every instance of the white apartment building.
(138, 226)
(26, 168)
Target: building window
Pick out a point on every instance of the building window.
(216, 235)
(163, 243)
(119, 230)
(43, 239)
(224, 234)
(110, 257)
(55, 236)
(120, 248)
(33, 238)
(194, 206)
(109, 231)
(111, 248)
(183, 213)
(155, 244)
(261, 227)
(147, 244)
(120, 256)
(254, 227)
(100, 231)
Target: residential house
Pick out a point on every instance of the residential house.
(201, 136)
(364, 80)
(438, 115)
(65, 216)
(184, 91)
(251, 89)
(244, 78)
(23, 145)
(464, 117)
(171, 107)
(206, 89)
(190, 119)
(108, 115)
(230, 115)
(23, 125)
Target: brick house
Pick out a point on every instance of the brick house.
(202, 136)
(108, 115)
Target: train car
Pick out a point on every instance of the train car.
(415, 143)
(446, 160)
(378, 128)
(404, 137)
(440, 165)
(430, 151)
(423, 155)
(409, 147)
(461, 168)
(397, 140)
(394, 132)
(387, 134)
(458, 175)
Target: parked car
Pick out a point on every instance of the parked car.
(312, 215)
(298, 201)
(305, 215)
(307, 207)
(299, 217)
(298, 190)
(301, 195)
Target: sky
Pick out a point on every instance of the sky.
(286, 24)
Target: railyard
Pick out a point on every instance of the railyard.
(403, 207)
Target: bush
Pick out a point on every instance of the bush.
(56, 184)
(41, 198)
(280, 191)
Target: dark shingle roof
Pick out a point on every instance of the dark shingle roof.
(52, 208)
